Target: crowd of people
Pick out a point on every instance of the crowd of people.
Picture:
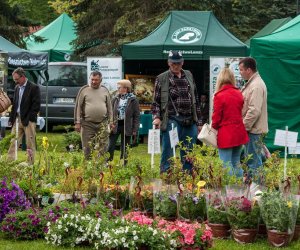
(239, 115)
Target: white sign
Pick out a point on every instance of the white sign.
(154, 141)
(285, 138)
(174, 140)
(295, 150)
(110, 68)
(216, 64)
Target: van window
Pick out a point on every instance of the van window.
(66, 75)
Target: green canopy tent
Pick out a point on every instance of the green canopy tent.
(32, 62)
(198, 34)
(59, 34)
(269, 28)
(278, 61)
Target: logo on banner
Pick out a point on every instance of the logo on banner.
(95, 65)
(67, 57)
(215, 69)
(186, 35)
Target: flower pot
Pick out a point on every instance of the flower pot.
(278, 239)
(221, 231)
(244, 235)
(296, 233)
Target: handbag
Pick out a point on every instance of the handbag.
(4, 101)
(208, 135)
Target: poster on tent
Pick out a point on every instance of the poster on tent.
(3, 69)
(215, 66)
(110, 68)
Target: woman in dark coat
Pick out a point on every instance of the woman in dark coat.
(227, 119)
(126, 115)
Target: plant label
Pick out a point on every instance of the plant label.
(154, 141)
(285, 138)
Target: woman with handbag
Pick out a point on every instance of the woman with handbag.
(227, 120)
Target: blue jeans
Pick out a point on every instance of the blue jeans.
(254, 147)
(167, 151)
(231, 159)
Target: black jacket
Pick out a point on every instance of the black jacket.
(30, 105)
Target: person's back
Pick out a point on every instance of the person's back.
(229, 122)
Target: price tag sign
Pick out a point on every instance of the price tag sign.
(285, 138)
(154, 141)
(174, 140)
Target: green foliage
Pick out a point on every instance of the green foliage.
(5, 143)
(240, 219)
(73, 138)
(279, 212)
(217, 215)
(165, 204)
(192, 207)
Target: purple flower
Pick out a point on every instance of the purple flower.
(173, 198)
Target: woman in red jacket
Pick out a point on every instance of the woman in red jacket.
(227, 120)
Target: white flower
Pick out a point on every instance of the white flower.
(66, 229)
(59, 226)
(72, 216)
(48, 224)
(123, 239)
(134, 232)
(173, 243)
(135, 238)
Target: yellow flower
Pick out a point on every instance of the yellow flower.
(45, 142)
(200, 185)
(289, 204)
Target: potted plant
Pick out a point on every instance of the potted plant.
(243, 213)
(141, 195)
(279, 212)
(216, 214)
(165, 200)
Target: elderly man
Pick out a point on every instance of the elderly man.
(176, 101)
(25, 109)
(255, 116)
(93, 112)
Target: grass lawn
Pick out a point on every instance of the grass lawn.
(260, 244)
(56, 140)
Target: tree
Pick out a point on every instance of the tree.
(12, 24)
(39, 12)
(107, 24)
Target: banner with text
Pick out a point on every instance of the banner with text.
(110, 68)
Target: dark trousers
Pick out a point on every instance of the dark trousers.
(113, 139)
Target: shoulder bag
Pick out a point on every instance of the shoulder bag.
(4, 101)
(208, 135)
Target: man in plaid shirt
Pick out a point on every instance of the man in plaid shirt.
(176, 101)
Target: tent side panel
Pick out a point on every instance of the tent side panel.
(283, 95)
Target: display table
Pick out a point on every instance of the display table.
(40, 122)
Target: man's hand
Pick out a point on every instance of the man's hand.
(156, 122)
(77, 127)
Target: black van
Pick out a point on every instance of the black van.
(58, 93)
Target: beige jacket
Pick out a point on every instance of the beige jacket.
(255, 114)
